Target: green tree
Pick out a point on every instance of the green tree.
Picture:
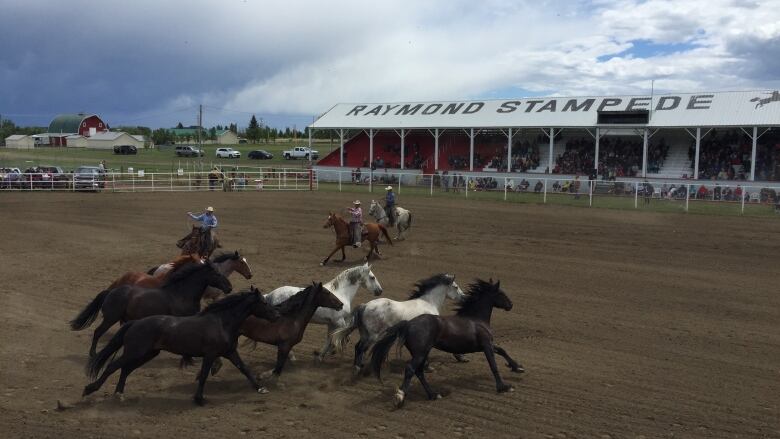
(179, 125)
(253, 130)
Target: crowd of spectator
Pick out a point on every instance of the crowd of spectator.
(723, 155)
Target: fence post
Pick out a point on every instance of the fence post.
(545, 191)
(431, 184)
(171, 180)
(113, 182)
(340, 172)
(73, 183)
(505, 181)
(687, 196)
(152, 174)
(133, 177)
(189, 180)
(400, 176)
(743, 200)
(591, 184)
(636, 196)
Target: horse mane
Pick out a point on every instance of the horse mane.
(182, 260)
(472, 297)
(229, 301)
(346, 275)
(425, 285)
(185, 272)
(225, 256)
(295, 302)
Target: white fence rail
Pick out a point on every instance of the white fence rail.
(140, 181)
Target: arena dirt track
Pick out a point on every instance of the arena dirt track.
(629, 324)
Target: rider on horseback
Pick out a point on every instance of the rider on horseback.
(208, 221)
(390, 205)
(356, 224)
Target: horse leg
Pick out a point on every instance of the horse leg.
(501, 386)
(99, 331)
(328, 347)
(512, 364)
(325, 261)
(236, 360)
(129, 367)
(420, 372)
(202, 375)
(110, 369)
(282, 353)
(417, 362)
(343, 255)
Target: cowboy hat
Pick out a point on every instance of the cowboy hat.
(356, 202)
(209, 209)
(389, 188)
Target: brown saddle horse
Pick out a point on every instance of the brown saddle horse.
(191, 244)
(372, 234)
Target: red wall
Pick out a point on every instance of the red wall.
(92, 122)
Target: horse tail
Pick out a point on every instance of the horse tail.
(409, 224)
(384, 232)
(96, 363)
(382, 347)
(339, 336)
(90, 312)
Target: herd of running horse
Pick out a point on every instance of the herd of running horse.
(162, 310)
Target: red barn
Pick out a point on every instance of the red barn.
(74, 124)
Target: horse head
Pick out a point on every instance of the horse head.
(454, 292)
(330, 221)
(500, 299)
(326, 299)
(217, 280)
(241, 265)
(369, 281)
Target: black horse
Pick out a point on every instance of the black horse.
(211, 334)
(467, 331)
(179, 296)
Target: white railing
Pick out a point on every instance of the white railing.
(140, 181)
(667, 194)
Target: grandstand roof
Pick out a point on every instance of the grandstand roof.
(718, 109)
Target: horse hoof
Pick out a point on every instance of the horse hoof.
(199, 400)
(505, 388)
(322, 264)
(518, 369)
(119, 397)
(398, 398)
(262, 390)
(435, 397)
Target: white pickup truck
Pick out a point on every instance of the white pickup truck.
(300, 152)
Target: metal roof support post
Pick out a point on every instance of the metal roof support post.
(471, 149)
(403, 153)
(753, 155)
(341, 138)
(371, 159)
(552, 141)
(696, 159)
(509, 152)
(644, 153)
(435, 150)
(596, 157)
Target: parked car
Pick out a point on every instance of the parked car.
(228, 153)
(242, 141)
(89, 178)
(188, 151)
(125, 149)
(10, 178)
(57, 177)
(300, 152)
(260, 154)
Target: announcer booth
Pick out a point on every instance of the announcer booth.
(485, 136)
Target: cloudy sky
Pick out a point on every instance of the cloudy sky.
(151, 62)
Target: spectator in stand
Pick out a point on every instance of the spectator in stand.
(556, 187)
(702, 192)
(538, 186)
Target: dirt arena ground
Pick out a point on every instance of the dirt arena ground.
(630, 324)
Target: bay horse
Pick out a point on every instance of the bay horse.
(150, 280)
(287, 330)
(179, 296)
(467, 331)
(211, 334)
(403, 218)
(344, 286)
(192, 243)
(374, 317)
(341, 228)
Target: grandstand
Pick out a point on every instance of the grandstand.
(682, 136)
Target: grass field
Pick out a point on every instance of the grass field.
(153, 160)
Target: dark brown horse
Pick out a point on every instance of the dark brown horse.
(193, 243)
(154, 280)
(467, 331)
(287, 331)
(179, 296)
(211, 334)
(340, 226)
